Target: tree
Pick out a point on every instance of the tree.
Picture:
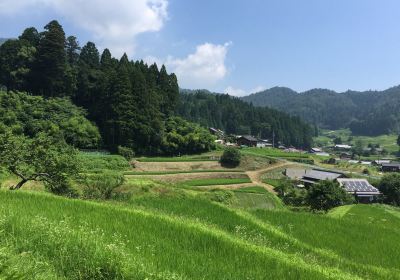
(398, 140)
(44, 158)
(358, 148)
(390, 188)
(337, 141)
(326, 195)
(231, 157)
(50, 66)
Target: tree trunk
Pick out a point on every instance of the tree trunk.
(19, 185)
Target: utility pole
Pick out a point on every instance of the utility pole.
(273, 138)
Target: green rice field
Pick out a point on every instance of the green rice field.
(173, 237)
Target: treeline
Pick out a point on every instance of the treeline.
(132, 103)
(238, 117)
(365, 113)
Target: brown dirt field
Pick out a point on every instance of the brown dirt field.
(177, 166)
(173, 178)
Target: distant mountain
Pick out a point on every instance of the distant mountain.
(365, 113)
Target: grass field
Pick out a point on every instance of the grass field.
(216, 181)
(170, 237)
(273, 153)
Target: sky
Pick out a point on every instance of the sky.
(236, 46)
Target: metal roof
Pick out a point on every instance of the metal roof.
(321, 175)
(360, 186)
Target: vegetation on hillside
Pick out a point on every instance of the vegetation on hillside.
(365, 113)
(237, 117)
(132, 103)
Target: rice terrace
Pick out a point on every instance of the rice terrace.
(153, 139)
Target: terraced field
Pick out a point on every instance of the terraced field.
(170, 237)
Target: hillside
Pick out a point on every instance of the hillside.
(365, 113)
(2, 40)
(238, 117)
(170, 237)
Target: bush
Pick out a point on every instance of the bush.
(231, 157)
(390, 187)
(326, 195)
(126, 152)
(102, 185)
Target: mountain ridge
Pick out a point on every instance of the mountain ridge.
(370, 112)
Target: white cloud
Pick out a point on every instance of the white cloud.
(115, 24)
(241, 92)
(201, 69)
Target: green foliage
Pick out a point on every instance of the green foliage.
(326, 195)
(220, 196)
(31, 115)
(231, 157)
(43, 158)
(390, 187)
(332, 110)
(126, 152)
(97, 162)
(183, 137)
(237, 117)
(101, 185)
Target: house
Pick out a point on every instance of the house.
(247, 140)
(391, 167)
(380, 162)
(360, 188)
(263, 144)
(345, 156)
(311, 176)
(340, 147)
(315, 150)
(216, 132)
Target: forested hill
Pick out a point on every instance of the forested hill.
(238, 117)
(365, 113)
(2, 40)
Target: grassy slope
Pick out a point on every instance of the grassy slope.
(166, 237)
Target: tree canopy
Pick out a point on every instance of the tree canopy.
(390, 188)
(44, 157)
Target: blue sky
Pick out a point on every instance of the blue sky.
(236, 46)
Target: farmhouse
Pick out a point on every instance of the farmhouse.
(360, 188)
(313, 176)
(391, 167)
(247, 140)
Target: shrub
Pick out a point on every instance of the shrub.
(231, 157)
(101, 185)
(326, 195)
(390, 187)
(126, 152)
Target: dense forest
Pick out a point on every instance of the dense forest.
(133, 104)
(365, 113)
(238, 117)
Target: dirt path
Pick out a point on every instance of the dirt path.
(255, 176)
